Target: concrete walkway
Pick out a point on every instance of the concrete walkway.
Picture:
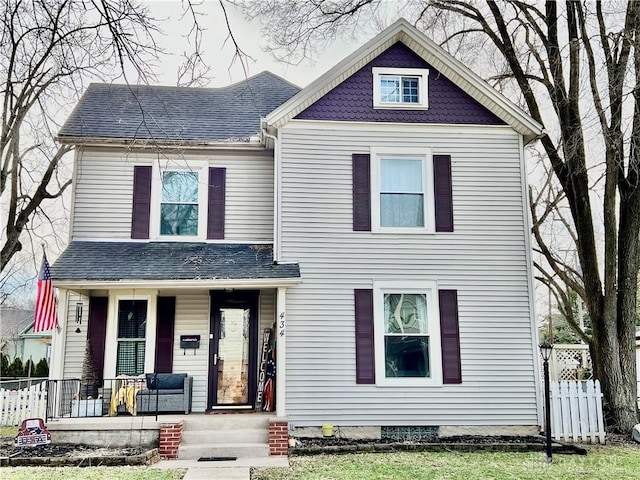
(230, 470)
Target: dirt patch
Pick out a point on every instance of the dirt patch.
(74, 454)
(466, 439)
(67, 450)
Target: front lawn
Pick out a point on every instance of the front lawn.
(602, 463)
(88, 473)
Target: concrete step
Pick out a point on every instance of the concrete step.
(239, 450)
(226, 473)
(222, 421)
(244, 435)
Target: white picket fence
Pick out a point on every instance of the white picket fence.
(576, 411)
(17, 405)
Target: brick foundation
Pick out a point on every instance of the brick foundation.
(278, 436)
(170, 436)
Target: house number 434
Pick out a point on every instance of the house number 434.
(281, 325)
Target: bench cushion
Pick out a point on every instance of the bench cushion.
(165, 381)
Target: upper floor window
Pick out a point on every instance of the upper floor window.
(179, 203)
(402, 190)
(402, 88)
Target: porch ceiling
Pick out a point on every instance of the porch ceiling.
(162, 261)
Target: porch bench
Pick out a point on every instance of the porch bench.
(173, 392)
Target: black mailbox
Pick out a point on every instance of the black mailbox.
(189, 341)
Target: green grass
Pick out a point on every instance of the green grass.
(602, 463)
(8, 431)
(88, 473)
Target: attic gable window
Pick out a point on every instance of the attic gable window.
(400, 88)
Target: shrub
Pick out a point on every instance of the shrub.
(42, 368)
(16, 369)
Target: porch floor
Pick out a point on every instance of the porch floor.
(149, 422)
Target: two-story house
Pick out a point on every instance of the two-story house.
(376, 220)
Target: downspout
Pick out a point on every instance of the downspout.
(276, 190)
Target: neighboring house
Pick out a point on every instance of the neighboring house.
(17, 338)
(377, 219)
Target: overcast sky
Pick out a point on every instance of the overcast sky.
(219, 55)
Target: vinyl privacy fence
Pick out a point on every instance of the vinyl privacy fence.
(28, 402)
(576, 411)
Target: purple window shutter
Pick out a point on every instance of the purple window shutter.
(215, 219)
(97, 330)
(164, 334)
(443, 193)
(141, 202)
(361, 164)
(365, 355)
(450, 333)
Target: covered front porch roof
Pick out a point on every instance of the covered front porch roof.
(176, 264)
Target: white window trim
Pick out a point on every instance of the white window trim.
(111, 343)
(430, 289)
(424, 154)
(423, 88)
(161, 166)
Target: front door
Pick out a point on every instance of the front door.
(233, 349)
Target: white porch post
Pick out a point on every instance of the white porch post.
(58, 339)
(281, 344)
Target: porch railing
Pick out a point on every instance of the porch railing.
(73, 398)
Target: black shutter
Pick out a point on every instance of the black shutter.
(141, 202)
(215, 217)
(443, 193)
(450, 334)
(361, 164)
(164, 334)
(365, 355)
(97, 330)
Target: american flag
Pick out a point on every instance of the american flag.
(46, 315)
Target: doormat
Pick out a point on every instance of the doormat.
(217, 459)
(229, 411)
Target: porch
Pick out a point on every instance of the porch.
(152, 308)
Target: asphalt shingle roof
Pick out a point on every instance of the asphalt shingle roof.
(115, 261)
(112, 111)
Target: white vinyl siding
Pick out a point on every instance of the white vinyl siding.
(192, 318)
(76, 343)
(104, 192)
(484, 259)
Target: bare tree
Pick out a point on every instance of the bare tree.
(575, 66)
(47, 51)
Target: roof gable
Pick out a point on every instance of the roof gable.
(432, 54)
(352, 100)
(160, 113)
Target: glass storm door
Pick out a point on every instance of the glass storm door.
(233, 349)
